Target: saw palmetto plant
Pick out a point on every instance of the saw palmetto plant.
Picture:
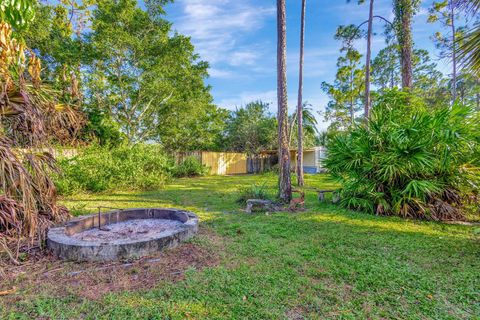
(469, 48)
(31, 117)
(410, 160)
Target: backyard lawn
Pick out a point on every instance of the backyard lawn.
(325, 262)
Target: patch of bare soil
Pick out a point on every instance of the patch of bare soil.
(47, 275)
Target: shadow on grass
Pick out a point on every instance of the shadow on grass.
(326, 262)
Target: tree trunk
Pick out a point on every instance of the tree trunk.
(367, 64)
(404, 13)
(352, 111)
(454, 54)
(300, 180)
(284, 180)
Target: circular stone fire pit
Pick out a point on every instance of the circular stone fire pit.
(121, 234)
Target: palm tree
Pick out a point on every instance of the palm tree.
(469, 50)
(30, 116)
(284, 180)
(452, 7)
(300, 180)
(309, 123)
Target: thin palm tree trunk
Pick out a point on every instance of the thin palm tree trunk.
(284, 180)
(367, 64)
(454, 54)
(300, 180)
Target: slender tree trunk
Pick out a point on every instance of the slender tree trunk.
(300, 181)
(454, 54)
(407, 68)
(404, 14)
(367, 63)
(352, 111)
(284, 180)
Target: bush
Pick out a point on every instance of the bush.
(96, 169)
(410, 160)
(190, 167)
(255, 191)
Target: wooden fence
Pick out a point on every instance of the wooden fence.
(225, 163)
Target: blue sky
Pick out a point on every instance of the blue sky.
(238, 39)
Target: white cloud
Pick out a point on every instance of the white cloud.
(218, 26)
(243, 98)
(220, 73)
(246, 57)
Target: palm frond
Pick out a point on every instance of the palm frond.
(469, 50)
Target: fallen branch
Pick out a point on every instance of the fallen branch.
(7, 292)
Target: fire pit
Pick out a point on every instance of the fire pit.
(121, 234)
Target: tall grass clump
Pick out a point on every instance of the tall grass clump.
(410, 160)
(97, 169)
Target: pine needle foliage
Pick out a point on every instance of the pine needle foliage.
(411, 160)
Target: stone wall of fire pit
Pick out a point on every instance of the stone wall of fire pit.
(121, 234)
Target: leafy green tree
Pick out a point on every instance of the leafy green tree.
(149, 79)
(386, 68)
(368, 57)
(468, 87)
(346, 91)
(251, 129)
(428, 82)
(17, 13)
(447, 13)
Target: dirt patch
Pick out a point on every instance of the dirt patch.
(295, 314)
(46, 275)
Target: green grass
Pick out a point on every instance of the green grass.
(324, 263)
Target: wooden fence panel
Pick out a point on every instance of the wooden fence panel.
(222, 163)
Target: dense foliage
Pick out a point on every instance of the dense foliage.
(32, 115)
(137, 167)
(138, 79)
(410, 160)
(251, 129)
(98, 169)
(190, 167)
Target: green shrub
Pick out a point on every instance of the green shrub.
(96, 169)
(255, 191)
(410, 160)
(190, 167)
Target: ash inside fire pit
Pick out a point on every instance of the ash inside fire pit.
(121, 234)
(139, 229)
